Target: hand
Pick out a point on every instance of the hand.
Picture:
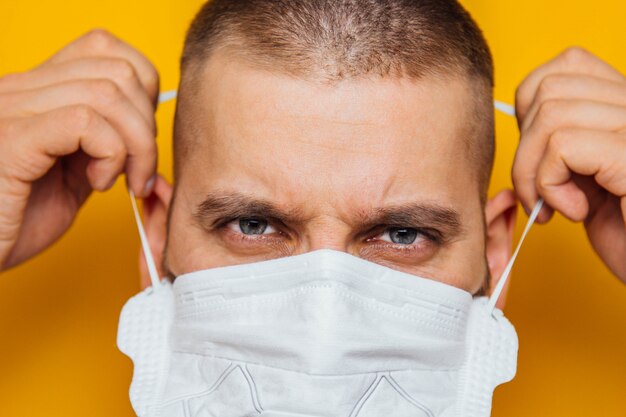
(68, 127)
(572, 118)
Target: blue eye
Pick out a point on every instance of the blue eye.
(251, 226)
(400, 235)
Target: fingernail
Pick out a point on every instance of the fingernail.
(149, 185)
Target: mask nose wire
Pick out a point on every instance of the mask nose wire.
(500, 106)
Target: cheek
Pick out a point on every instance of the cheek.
(191, 248)
(470, 269)
(186, 248)
(183, 253)
(468, 264)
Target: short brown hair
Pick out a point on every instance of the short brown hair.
(337, 39)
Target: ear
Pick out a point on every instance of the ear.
(500, 215)
(155, 208)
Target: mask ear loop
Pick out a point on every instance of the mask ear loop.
(166, 96)
(507, 271)
(504, 108)
(152, 270)
(510, 110)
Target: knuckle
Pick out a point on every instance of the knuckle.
(541, 184)
(575, 54)
(548, 111)
(515, 178)
(118, 150)
(99, 39)
(144, 145)
(559, 137)
(549, 86)
(520, 95)
(152, 80)
(106, 90)
(520, 173)
(520, 176)
(557, 142)
(79, 117)
(122, 69)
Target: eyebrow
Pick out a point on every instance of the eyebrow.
(231, 205)
(430, 215)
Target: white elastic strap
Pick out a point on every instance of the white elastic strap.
(504, 108)
(166, 96)
(152, 270)
(507, 271)
(154, 275)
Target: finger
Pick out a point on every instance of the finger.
(75, 166)
(38, 141)
(575, 87)
(107, 99)
(572, 61)
(120, 71)
(553, 115)
(595, 153)
(100, 43)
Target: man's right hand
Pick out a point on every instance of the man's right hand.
(68, 127)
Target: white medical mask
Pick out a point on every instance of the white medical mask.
(321, 334)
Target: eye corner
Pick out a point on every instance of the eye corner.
(433, 235)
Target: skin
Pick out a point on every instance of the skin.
(330, 159)
(68, 127)
(572, 117)
(307, 150)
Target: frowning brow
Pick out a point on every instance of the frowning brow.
(445, 221)
(231, 205)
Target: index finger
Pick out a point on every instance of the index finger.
(100, 43)
(573, 60)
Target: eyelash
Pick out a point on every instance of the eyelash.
(435, 236)
(276, 242)
(431, 235)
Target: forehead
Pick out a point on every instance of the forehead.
(367, 141)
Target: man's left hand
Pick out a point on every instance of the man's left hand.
(572, 152)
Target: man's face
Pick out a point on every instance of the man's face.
(279, 166)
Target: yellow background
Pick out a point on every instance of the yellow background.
(58, 313)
